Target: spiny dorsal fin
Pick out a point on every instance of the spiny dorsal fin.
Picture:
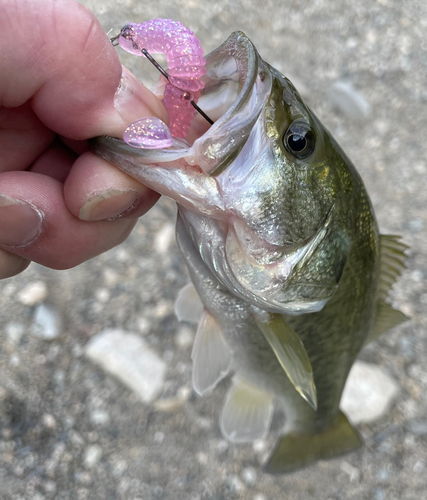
(392, 263)
(211, 355)
(291, 354)
(247, 413)
(386, 318)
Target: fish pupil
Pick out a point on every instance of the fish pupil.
(297, 142)
(299, 139)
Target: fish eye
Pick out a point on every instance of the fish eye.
(299, 139)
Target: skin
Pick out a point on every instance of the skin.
(59, 88)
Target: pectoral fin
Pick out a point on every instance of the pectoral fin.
(211, 355)
(247, 413)
(298, 450)
(188, 306)
(291, 354)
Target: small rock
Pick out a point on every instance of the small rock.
(14, 332)
(128, 357)
(260, 496)
(49, 421)
(234, 485)
(249, 476)
(419, 428)
(143, 325)
(159, 437)
(47, 323)
(50, 487)
(343, 96)
(184, 337)
(351, 471)
(92, 456)
(32, 293)
(164, 237)
(99, 417)
(14, 360)
(102, 295)
(368, 394)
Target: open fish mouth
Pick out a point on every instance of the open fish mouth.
(237, 85)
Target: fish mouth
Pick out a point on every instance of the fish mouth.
(237, 85)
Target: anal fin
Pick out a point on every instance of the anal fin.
(247, 413)
(297, 450)
(211, 355)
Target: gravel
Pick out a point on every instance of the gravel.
(56, 404)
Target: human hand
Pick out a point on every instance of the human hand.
(61, 84)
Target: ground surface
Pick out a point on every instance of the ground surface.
(69, 431)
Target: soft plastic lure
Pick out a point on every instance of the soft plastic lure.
(186, 64)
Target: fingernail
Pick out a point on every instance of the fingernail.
(109, 205)
(133, 100)
(127, 96)
(20, 222)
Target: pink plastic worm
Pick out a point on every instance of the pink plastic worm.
(184, 56)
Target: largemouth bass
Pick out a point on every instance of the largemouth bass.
(283, 248)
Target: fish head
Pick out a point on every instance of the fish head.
(265, 192)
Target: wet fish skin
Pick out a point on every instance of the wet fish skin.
(272, 237)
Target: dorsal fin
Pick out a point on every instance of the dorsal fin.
(290, 353)
(392, 263)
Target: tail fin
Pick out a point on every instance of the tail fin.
(297, 450)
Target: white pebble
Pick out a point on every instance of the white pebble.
(14, 332)
(47, 323)
(14, 360)
(159, 437)
(49, 421)
(164, 237)
(184, 337)
(99, 417)
(102, 295)
(351, 471)
(32, 293)
(368, 394)
(348, 100)
(235, 485)
(92, 456)
(249, 476)
(128, 357)
(143, 325)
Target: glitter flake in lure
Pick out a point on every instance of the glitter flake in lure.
(184, 55)
(150, 133)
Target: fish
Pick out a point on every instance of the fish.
(283, 249)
